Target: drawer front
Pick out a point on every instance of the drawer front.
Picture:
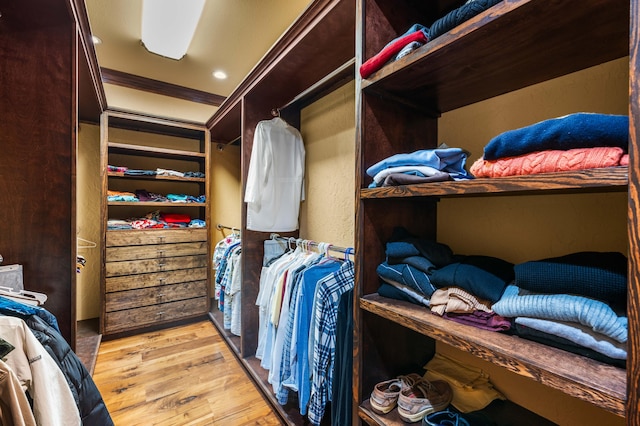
(150, 315)
(130, 282)
(144, 266)
(155, 251)
(139, 237)
(131, 299)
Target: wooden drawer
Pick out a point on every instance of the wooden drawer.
(144, 266)
(130, 299)
(130, 319)
(140, 237)
(158, 251)
(130, 282)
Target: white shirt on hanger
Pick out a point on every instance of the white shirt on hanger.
(275, 181)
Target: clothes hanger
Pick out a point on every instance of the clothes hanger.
(87, 243)
(23, 296)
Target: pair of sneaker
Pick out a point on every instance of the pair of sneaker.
(415, 396)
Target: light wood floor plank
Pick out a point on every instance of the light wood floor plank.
(182, 376)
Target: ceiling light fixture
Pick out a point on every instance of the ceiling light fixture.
(168, 25)
(220, 75)
(96, 40)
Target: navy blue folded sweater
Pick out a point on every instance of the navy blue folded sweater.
(579, 130)
(600, 275)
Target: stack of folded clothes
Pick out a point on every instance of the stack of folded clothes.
(574, 142)
(418, 35)
(459, 288)
(574, 302)
(427, 165)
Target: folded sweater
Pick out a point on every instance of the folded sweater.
(597, 315)
(601, 275)
(579, 130)
(548, 162)
(579, 335)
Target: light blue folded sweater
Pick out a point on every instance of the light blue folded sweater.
(516, 302)
(578, 334)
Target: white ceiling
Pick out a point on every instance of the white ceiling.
(232, 36)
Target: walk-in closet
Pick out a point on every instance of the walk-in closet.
(319, 212)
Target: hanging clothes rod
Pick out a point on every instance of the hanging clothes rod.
(337, 78)
(220, 227)
(345, 250)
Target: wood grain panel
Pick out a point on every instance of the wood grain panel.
(463, 66)
(126, 282)
(154, 265)
(38, 45)
(157, 251)
(131, 299)
(137, 82)
(608, 179)
(154, 236)
(178, 376)
(633, 307)
(154, 315)
(575, 375)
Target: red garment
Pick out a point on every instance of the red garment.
(375, 63)
(548, 162)
(176, 218)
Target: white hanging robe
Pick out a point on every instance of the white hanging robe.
(275, 182)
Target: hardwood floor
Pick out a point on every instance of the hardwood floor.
(177, 377)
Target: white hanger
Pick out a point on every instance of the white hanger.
(23, 296)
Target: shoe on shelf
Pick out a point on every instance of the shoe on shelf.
(422, 398)
(385, 394)
(444, 418)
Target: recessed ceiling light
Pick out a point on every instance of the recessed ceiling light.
(220, 75)
(96, 40)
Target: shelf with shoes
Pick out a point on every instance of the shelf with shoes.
(400, 108)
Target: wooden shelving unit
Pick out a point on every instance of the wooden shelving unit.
(154, 277)
(398, 108)
(311, 59)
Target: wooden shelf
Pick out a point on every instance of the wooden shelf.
(473, 62)
(146, 123)
(367, 414)
(612, 179)
(580, 377)
(123, 148)
(154, 204)
(157, 177)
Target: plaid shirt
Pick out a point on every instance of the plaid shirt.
(326, 312)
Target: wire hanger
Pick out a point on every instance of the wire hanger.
(87, 243)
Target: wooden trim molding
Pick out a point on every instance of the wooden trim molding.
(315, 12)
(158, 87)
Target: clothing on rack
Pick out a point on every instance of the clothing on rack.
(92, 408)
(275, 180)
(298, 303)
(14, 405)
(61, 388)
(228, 280)
(53, 402)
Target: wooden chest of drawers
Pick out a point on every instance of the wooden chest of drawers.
(154, 277)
